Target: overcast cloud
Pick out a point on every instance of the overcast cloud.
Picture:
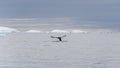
(102, 13)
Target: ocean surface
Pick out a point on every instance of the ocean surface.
(80, 50)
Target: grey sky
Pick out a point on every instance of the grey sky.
(103, 13)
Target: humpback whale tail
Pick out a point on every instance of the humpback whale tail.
(59, 38)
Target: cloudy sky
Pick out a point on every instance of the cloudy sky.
(78, 13)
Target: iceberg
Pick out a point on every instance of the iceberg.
(7, 30)
(78, 31)
(33, 31)
(59, 31)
